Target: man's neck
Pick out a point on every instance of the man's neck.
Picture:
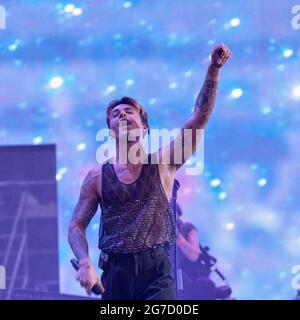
(131, 155)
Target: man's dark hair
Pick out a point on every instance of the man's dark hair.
(132, 102)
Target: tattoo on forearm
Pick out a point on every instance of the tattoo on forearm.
(206, 99)
(83, 213)
(78, 242)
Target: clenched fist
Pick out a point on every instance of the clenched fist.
(220, 55)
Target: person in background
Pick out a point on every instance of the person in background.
(196, 282)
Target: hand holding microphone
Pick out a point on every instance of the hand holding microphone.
(88, 277)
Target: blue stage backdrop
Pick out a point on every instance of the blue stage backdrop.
(61, 62)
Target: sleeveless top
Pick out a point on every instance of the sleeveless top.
(134, 216)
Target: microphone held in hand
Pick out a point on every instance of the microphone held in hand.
(96, 288)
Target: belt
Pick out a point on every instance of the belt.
(155, 249)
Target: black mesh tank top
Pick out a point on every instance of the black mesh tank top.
(134, 216)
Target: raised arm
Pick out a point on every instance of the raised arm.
(202, 111)
(84, 211)
(207, 96)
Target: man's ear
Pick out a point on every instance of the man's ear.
(145, 130)
(112, 134)
(144, 126)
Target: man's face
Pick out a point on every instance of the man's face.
(125, 117)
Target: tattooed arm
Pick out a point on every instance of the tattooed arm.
(205, 100)
(185, 144)
(207, 96)
(84, 211)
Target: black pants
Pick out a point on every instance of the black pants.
(143, 276)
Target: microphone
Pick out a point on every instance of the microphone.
(96, 288)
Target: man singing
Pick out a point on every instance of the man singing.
(137, 224)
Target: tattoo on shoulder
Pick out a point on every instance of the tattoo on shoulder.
(87, 185)
(88, 202)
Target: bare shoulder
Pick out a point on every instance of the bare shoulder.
(95, 171)
(91, 184)
(95, 178)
